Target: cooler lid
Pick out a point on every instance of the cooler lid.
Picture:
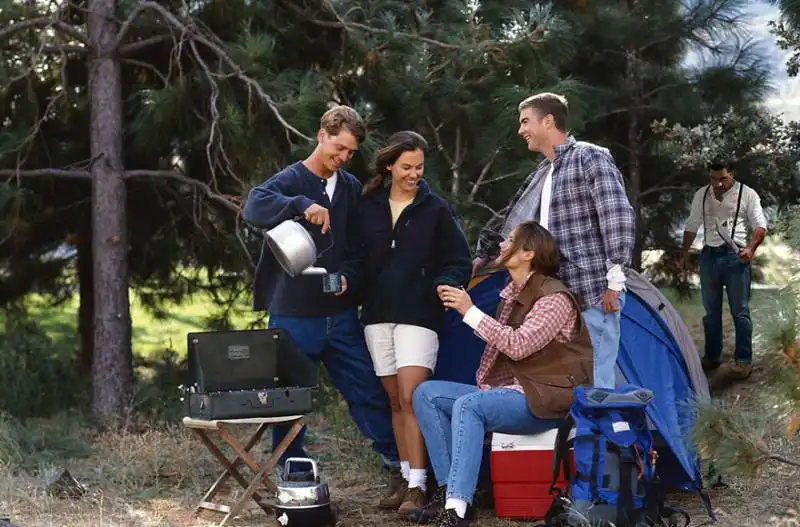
(543, 441)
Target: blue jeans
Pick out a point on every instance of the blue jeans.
(720, 267)
(604, 332)
(454, 418)
(338, 341)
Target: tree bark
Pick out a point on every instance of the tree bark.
(113, 363)
(86, 295)
(633, 81)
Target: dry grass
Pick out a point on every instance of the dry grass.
(154, 476)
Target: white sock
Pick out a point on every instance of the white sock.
(418, 477)
(405, 467)
(460, 506)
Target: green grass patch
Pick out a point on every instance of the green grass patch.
(151, 334)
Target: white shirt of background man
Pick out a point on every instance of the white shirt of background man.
(720, 214)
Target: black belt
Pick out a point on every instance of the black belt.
(720, 249)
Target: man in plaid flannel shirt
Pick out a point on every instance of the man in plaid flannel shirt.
(578, 195)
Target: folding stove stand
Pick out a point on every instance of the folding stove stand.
(261, 478)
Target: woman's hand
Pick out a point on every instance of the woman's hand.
(454, 298)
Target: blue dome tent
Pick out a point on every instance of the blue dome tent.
(656, 352)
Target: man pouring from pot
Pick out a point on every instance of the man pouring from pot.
(325, 199)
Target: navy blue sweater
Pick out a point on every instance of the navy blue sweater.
(285, 196)
(405, 263)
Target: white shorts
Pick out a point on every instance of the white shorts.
(395, 346)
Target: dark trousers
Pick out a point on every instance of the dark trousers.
(338, 341)
(720, 268)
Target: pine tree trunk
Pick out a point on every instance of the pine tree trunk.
(633, 80)
(86, 295)
(113, 368)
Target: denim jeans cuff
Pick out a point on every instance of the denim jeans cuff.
(463, 497)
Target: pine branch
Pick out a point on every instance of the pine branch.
(44, 22)
(190, 30)
(131, 47)
(349, 26)
(668, 188)
(482, 176)
(229, 202)
(45, 172)
(147, 66)
(341, 23)
(127, 24)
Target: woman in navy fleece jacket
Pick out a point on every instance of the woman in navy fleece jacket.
(412, 244)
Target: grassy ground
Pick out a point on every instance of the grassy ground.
(151, 334)
(155, 474)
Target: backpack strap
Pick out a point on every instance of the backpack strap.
(627, 462)
(561, 454)
(593, 477)
(736, 214)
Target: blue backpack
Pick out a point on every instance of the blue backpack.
(615, 481)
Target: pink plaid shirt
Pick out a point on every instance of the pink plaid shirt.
(552, 317)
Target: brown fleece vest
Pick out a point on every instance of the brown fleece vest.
(549, 375)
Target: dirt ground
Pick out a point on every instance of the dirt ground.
(155, 477)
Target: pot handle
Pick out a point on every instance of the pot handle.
(308, 460)
(297, 220)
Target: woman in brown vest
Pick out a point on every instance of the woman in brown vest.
(537, 351)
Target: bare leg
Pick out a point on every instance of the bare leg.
(398, 486)
(408, 378)
(391, 385)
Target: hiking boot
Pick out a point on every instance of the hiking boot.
(432, 509)
(413, 502)
(710, 365)
(394, 499)
(741, 371)
(397, 491)
(449, 518)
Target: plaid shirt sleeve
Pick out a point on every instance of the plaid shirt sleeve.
(614, 212)
(551, 315)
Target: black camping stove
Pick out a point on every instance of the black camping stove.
(252, 373)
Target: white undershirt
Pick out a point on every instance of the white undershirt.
(330, 185)
(544, 205)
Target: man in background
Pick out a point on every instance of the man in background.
(578, 195)
(725, 208)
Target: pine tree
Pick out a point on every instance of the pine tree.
(633, 57)
(787, 29)
(136, 150)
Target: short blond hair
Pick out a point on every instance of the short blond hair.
(549, 104)
(339, 117)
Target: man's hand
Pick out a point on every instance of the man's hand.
(610, 299)
(454, 298)
(318, 216)
(745, 255)
(344, 286)
(683, 261)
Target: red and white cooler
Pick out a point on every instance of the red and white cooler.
(522, 471)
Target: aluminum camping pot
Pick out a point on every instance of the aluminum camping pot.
(294, 248)
(303, 498)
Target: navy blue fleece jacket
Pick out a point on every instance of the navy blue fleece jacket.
(285, 196)
(404, 264)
